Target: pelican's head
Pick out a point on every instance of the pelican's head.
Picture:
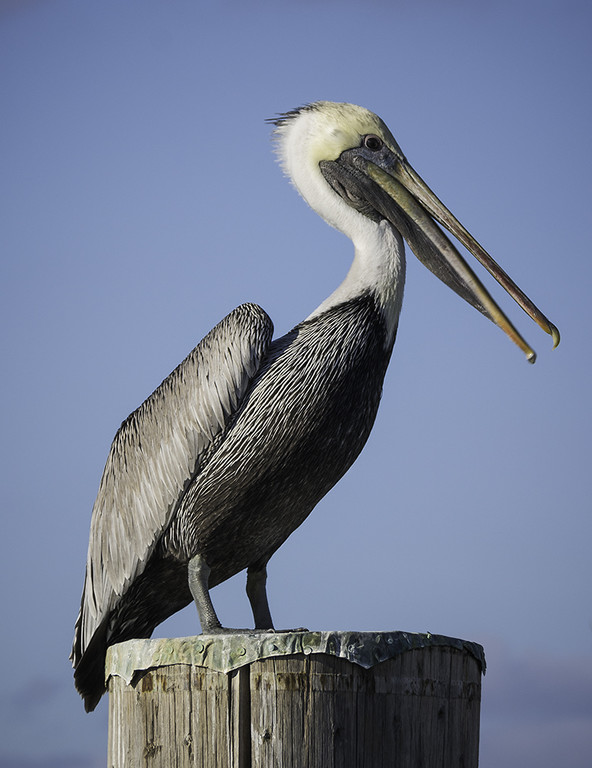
(325, 129)
(347, 165)
(318, 133)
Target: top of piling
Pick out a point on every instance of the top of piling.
(228, 651)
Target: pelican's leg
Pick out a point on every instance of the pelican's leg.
(199, 576)
(257, 594)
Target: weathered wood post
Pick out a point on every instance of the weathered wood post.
(295, 700)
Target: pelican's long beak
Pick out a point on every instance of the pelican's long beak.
(413, 213)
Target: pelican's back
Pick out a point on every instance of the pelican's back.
(154, 455)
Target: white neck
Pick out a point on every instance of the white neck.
(378, 268)
(379, 261)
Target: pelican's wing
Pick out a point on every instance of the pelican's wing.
(157, 451)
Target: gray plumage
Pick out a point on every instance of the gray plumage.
(226, 458)
(235, 448)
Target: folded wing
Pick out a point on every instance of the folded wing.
(155, 454)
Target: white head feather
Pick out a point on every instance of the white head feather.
(322, 131)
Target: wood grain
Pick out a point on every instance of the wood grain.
(419, 709)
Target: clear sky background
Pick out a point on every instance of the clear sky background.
(141, 202)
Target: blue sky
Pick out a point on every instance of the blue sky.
(140, 202)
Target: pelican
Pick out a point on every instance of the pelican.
(213, 472)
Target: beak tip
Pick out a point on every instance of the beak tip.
(555, 335)
(531, 357)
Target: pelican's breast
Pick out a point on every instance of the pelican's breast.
(300, 428)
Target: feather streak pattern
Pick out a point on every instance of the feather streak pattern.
(156, 452)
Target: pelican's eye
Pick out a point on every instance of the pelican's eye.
(372, 142)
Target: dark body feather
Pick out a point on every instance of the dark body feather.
(300, 425)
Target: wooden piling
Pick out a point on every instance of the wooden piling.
(295, 700)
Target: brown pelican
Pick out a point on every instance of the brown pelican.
(230, 454)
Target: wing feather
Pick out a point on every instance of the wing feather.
(156, 452)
